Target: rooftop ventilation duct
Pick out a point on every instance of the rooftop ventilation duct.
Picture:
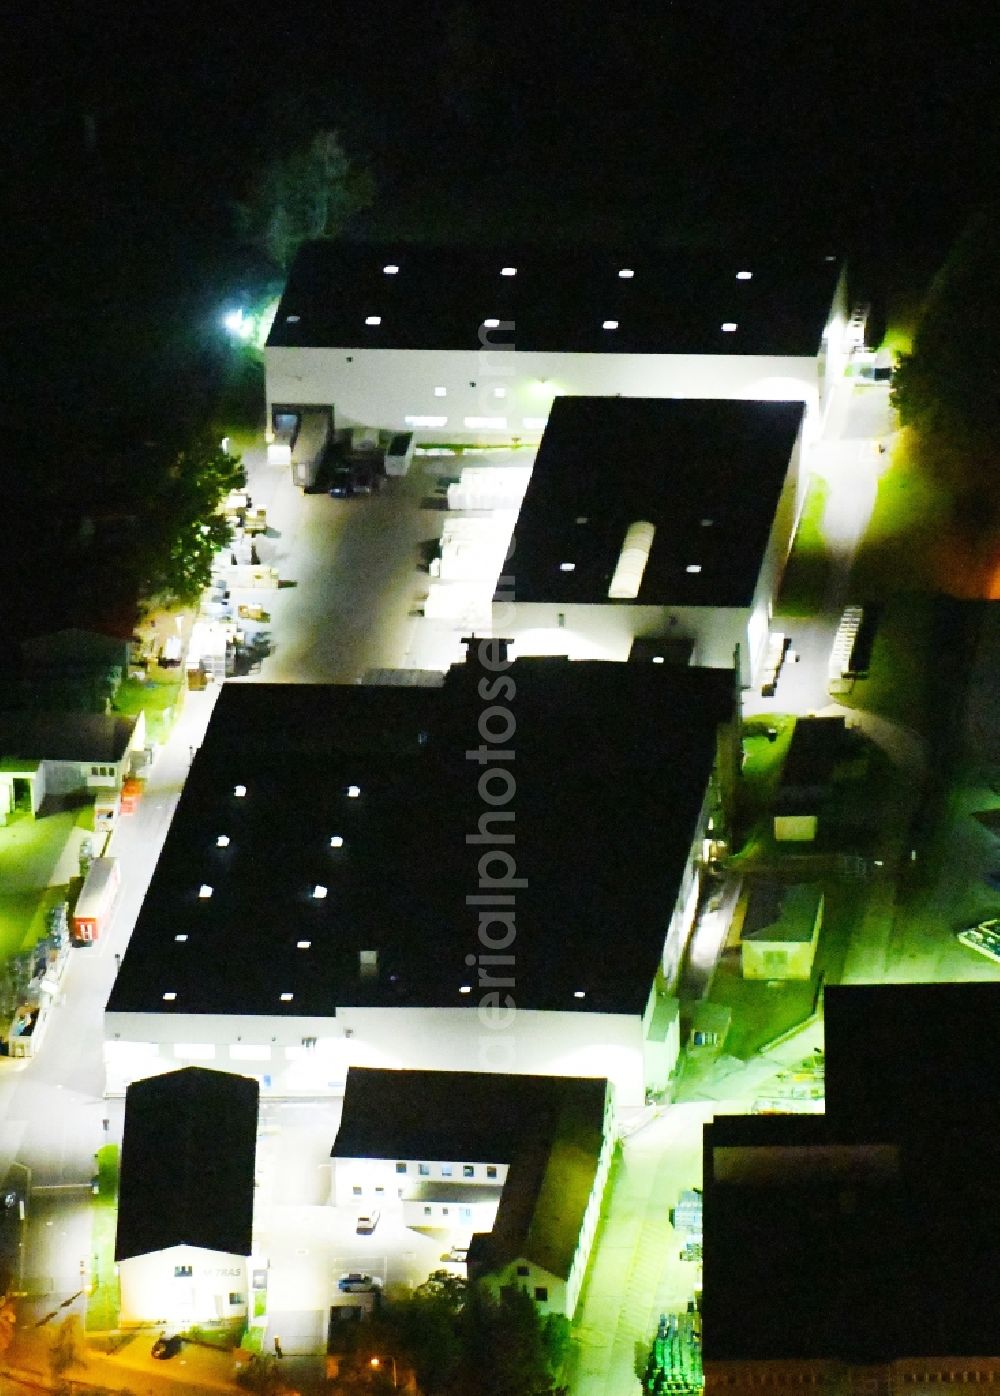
(627, 580)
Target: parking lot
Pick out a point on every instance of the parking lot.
(309, 1243)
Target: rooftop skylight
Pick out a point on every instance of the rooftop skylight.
(390, 269)
(632, 561)
(373, 319)
(626, 273)
(609, 325)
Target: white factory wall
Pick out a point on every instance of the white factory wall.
(182, 1285)
(384, 387)
(779, 545)
(606, 629)
(361, 1182)
(311, 1055)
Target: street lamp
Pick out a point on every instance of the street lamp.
(376, 1362)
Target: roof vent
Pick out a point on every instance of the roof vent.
(627, 580)
(368, 963)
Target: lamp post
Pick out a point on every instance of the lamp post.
(376, 1362)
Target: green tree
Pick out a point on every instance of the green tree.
(948, 388)
(313, 191)
(184, 529)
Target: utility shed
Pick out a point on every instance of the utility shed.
(818, 746)
(781, 926)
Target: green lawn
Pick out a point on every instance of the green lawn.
(158, 697)
(898, 551)
(103, 1299)
(759, 1013)
(762, 763)
(808, 568)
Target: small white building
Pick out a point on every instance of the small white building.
(185, 1206)
(56, 753)
(459, 345)
(521, 1186)
(341, 891)
(658, 522)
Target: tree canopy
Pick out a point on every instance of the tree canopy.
(948, 388)
(458, 1339)
(312, 191)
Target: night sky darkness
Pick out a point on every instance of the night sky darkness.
(130, 130)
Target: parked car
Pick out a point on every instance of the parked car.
(355, 1282)
(367, 1223)
(165, 1347)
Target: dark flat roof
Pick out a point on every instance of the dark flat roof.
(903, 1052)
(83, 737)
(466, 1116)
(869, 1233)
(675, 302)
(777, 911)
(187, 1163)
(548, 1129)
(707, 472)
(612, 764)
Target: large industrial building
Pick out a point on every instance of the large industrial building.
(653, 521)
(514, 1167)
(497, 874)
(856, 1250)
(461, 345)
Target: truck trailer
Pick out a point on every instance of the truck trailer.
(310, 446)
(96, 901)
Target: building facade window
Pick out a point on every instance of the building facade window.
(236, 1299)
(400, 1167)
(355, 1191)
(446, 1170)
(468, 1170)
(491, 1170)
(522, 1271)
(183, 1272)
(541, 1294)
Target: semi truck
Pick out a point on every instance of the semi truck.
(96, 901)
(310, 446)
